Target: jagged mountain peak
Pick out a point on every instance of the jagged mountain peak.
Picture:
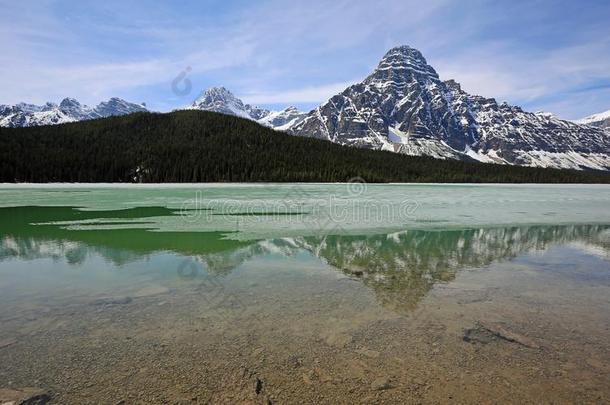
(118, 106)
(217, 91)
(72, 108)
(404, 50)
(221, 100)
(406, 58)
(216, 94)
(403, 53)
(69, 102)
(402, 98)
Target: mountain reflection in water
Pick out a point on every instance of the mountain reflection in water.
(400, 268)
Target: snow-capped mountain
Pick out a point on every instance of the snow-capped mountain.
(403, 106)
(601, 120)
(221, 100)
(69, 110)
(116, 106)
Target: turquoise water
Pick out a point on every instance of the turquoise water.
(323, 293)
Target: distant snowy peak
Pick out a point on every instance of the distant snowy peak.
(117, 106)
(68, 110)
(221, 100)
(601, 120)
(403, 106)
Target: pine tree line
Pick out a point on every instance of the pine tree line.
(200, 146)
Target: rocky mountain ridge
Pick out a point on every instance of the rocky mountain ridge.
(68, 110)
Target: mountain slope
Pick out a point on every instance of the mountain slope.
(601, 120)
(194, 146)
(221, 100)
(69, 110)
(403, 106)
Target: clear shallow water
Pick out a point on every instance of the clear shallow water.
(306, 293)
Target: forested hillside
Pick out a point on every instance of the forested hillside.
(200, 146)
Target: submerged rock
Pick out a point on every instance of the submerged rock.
(24, 396)
(485, 332)
(381, 384)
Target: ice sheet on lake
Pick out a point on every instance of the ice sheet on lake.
(251, 211)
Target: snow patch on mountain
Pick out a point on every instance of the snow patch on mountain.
(428, 147)
(397, 136)
(490, 156)
(601, 120)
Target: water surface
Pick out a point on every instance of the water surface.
(306, 293)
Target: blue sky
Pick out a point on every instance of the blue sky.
(540, 54)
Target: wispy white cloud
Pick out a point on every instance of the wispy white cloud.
(310, 94)
(496, 70)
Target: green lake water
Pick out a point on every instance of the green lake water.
(306, 293)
